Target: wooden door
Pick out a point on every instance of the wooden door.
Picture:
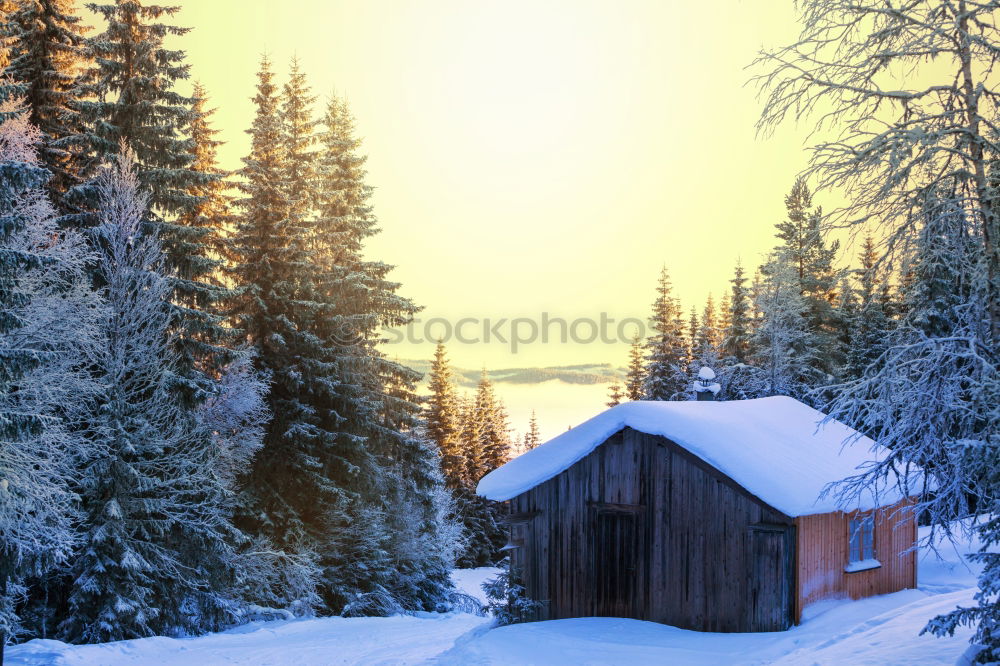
(616, 560)
(771, 588)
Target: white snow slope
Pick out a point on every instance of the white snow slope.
(880, 630)
(774, 447)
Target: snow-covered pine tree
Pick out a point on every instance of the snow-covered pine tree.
(10, 89)
(483, 536)
(781, 341)
(736, 344)
(472, 440)
(291, 503)
(48, 56)
(870, 321)
(442, 418)
(227, 431)
(200, 290)
(847, 312)
(377, 396)
(906, 153)
(692, 335)
(723, 319)
(130, 94)
(707, 341)
(635, 376)
(345, 417)
(665, 369)
(48, 335)
(494, 432)
(805, 250)
(737, 328)
(707, 337)
(299, 137)
(151, 493)
(485, 432)
(425, 537)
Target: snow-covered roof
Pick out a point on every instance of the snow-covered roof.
(773, 447)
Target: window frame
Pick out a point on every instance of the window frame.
(861, 538)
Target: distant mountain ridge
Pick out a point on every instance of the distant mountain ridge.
(586, 373)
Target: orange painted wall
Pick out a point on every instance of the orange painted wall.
(822, 554)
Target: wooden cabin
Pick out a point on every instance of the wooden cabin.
(702, 515)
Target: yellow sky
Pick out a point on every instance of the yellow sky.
(533, 155)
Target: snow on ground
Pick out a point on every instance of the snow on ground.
(320, 642)
(879, 630)
(470, 581)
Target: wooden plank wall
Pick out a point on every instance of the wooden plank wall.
(694, 529)
(823, 543)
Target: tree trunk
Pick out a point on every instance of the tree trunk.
(978, 158)
(3, 595)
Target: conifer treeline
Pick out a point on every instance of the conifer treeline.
(236, 439)
(473, 436)
(799, 328)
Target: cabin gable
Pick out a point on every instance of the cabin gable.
(642, 528)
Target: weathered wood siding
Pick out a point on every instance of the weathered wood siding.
(690, 547)
(823, 543)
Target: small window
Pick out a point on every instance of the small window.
(517, 536)
(862, 537)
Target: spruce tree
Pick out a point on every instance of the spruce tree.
(10, 89)
(494, 431)
(479, 526)
(847, 312)
(635, 377)
(200, 290)
(940, 408)
(472, 442)
(441, 418)
(811, 261)
(666, 376)
(485, 442)
(346, 418)
(615, 394)
(288, 496)
(692, 334)
(378, 395)
(724, 322)
(532, 438)
(707, 337)
(707, 341)
(48, 55)
(870, 320)
(736, 343)
(299, 137)
(130, 94)
(931, 398)
(781, 341)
